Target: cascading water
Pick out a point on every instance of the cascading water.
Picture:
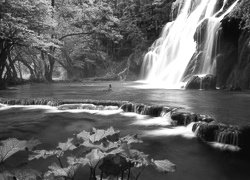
(208, 60)
(166, 62)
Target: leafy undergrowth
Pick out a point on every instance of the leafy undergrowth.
(104, 152)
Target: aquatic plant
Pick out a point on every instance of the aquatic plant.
(104, 152)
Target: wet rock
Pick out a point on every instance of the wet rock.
(206, 131)
(204, 118)
(155, 111)
(233, 64)
(194, 83)
(183, 119)
(231, 88)
(200, 32)
(244, 135)
(221, 133)
(206, 82)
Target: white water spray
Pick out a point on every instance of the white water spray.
(169, 56)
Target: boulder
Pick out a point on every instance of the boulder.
(207, 131)
(183, 118)
(155, 111)
(244, 135)
(202, 82)
(222, 133)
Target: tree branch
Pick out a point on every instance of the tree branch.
(75, 34)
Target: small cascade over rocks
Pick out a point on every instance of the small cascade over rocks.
(154, 111)
(87, 107)
(185, 118)
(222, 133)
(203, 126)
(59, 102)
(188, 45)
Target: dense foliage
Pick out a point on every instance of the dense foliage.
(242, 12)
(82, 38)
(104, 152)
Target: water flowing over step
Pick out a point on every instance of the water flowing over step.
(222, 133)
(180, 118)
(203, 126)
(59, 102)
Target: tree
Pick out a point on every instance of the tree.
(242, 12)
(22, 23)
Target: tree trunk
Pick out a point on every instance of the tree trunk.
(48, 67)
(20, 71)
(32, 75)
(2, 84)
(12, 67)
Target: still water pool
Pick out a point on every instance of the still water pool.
(194, 159)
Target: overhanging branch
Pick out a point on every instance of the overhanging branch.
(75, 34)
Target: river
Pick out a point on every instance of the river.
(194, 159)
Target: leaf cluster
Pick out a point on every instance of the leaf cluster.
(105, 153)
(101, 150)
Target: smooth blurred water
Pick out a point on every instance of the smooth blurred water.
(226, 107)
(169, 56)
(194, 159)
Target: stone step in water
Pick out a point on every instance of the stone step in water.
(223, 133)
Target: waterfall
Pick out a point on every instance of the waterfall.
(168, 57)
(208, 60)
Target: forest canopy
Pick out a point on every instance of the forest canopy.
(81, 38)
(76, 39)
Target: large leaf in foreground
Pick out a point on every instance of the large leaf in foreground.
(131, 139)
(67, 146)
(107, 146)
(58, 171)
(97, 134)
(83, 135)
(11, 146)
(44, 154)
(94, 157)
(164, 165)
(23, 172)
(77, 161)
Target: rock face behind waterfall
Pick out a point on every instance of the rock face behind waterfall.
(206, 82)
(233, 55)
(232, 43)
